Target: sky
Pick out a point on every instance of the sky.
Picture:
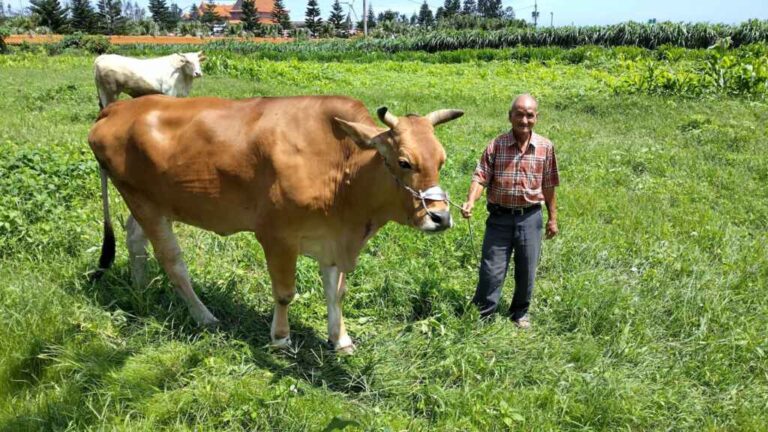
(564, 12)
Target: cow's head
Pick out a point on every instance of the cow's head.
(414, 156)
(190, 63)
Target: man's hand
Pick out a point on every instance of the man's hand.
(466, 209)
(551, 228)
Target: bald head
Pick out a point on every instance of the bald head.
(523, 115)
(525, 101)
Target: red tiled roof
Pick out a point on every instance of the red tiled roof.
(225, 11)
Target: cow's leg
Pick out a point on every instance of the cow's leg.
(107, 94)
(168, 253)
(137, 252)
(281, 262)
(335, 287)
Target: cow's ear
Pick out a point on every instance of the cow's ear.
(362, 134)
(180, 60)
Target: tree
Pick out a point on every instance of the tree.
(210, 16)
(451, 8)
(387, 15)
(137, 13)
(426, 19)
(194, 12)
(174, 16)
(110, 16)
(470, 7)
(127, 10)
(509, 13)
(160, 12)
(83, 16)
(280, 15)
(337, 15)
(440, 13)
(2, 10)
(371, 17)
(489, 8)
(312, 17)
(51, 14)
(250, 17)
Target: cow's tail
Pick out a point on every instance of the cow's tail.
(108, 244)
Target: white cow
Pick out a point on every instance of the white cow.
(171, 75)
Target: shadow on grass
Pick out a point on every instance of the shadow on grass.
(238, 320)
(311, 360)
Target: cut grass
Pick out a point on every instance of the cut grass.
(650, 310)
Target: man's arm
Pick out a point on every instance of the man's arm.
(475, 191)
(550, 199)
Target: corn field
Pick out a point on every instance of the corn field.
(698, 35)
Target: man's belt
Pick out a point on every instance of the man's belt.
(496, 209)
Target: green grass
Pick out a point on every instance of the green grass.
(650, 310)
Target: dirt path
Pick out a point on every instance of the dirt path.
(122, 40)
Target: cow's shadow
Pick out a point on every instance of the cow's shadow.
(310, 358)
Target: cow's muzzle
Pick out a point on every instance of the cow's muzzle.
(437, 220)
(441, 219)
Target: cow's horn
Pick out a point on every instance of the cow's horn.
(443, 115)
(387, 117)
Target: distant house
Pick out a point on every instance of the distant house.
(232, 11)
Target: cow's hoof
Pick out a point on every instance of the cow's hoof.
(346, 350)
(203, 317)
(210, 324)
(281, 344)
(344, 346)
(207, 320)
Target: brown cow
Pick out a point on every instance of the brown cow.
(308, 175)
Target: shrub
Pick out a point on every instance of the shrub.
(4, 33)
(96, 44)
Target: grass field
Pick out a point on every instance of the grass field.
(650, 311)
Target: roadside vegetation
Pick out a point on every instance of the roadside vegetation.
(650, 311)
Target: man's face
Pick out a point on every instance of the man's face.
(523, 116)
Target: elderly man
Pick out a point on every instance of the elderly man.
(519, 169)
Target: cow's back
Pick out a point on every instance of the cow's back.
(228, 165)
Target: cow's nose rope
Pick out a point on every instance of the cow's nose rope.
(436, 193)
(471, 236)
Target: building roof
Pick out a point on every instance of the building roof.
(226, 8)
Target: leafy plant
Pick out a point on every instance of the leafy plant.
(4, 33)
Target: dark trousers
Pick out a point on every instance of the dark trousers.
(505, 235)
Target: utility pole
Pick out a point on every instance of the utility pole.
(535, 13)
(365, 18)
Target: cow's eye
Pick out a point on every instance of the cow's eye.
(404, 164)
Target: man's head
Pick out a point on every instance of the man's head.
(523, 113)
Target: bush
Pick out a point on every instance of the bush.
(4, 33)
(96, 44)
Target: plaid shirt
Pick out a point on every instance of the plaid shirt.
(514, 179)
